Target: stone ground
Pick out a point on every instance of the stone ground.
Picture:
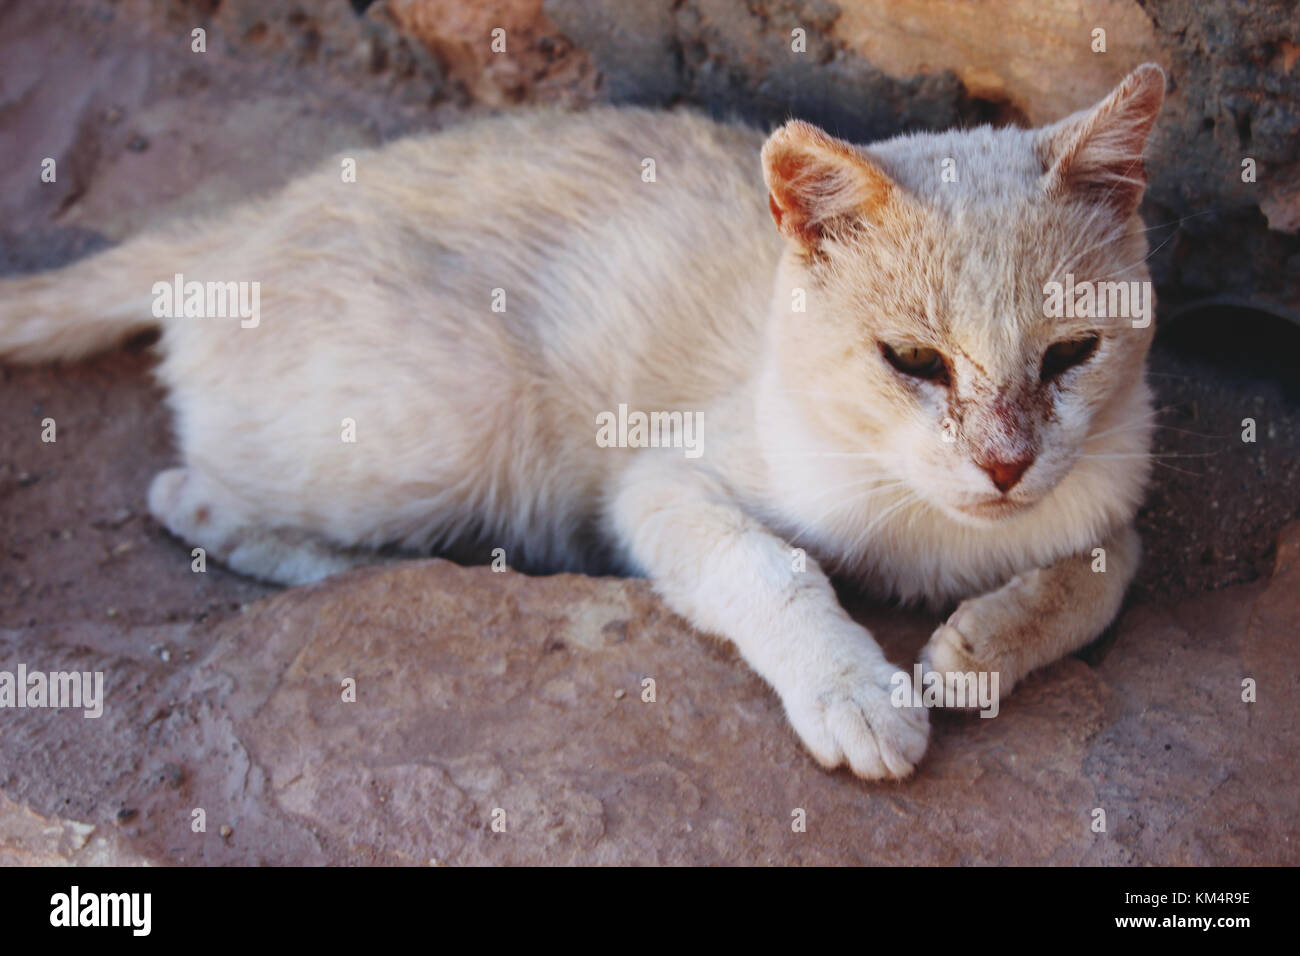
(479, 691)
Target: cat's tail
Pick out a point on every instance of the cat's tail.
(76, 311)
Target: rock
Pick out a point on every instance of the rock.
(483, 699)
(538, 63)
(29, 839)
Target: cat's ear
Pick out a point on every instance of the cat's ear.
(814, 179)
(1096, 154)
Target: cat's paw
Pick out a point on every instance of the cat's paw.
(978, 638)
(850, 718)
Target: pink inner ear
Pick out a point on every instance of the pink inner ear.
(795, 181)
(776, 209)
(1098, 157)
(812, 183)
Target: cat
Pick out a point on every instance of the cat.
(464, 345)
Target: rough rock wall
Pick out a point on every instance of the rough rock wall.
(871, 68)
(865, 69)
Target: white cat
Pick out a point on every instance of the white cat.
(874, 382)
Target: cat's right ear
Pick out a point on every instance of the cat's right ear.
(814, 179)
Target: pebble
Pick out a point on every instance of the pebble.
(173, 774)
(620, 694)
(225, 831)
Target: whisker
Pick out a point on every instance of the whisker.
(834, 454)
(1154, 455)
(1140, 261)
(808, 526)
(1114, 235)
(1137, 422)
(1185, 431)
(860, 454)
(862, 539)
(1181, 471)
(1121, 233)
(1117, 234)
(1155, 427)
(1146, 421)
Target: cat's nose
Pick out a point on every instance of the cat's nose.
(1007, 474)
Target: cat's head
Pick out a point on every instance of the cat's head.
(915, 317)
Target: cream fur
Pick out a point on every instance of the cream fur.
(476, 429)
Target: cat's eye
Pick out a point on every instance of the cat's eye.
(1066, 355)
(917, 361)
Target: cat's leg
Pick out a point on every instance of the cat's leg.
(197, 511)
(730, 576)
(1037, 617)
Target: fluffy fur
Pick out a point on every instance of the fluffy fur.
(476, 429)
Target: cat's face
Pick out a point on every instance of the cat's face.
(932, 342)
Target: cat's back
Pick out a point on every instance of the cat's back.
(616, 240)
(606, 244)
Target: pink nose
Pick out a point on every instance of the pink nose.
(1007, 474)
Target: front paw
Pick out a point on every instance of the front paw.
(975, 639)
(849, 717)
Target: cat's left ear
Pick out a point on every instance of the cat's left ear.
(1096, 154)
